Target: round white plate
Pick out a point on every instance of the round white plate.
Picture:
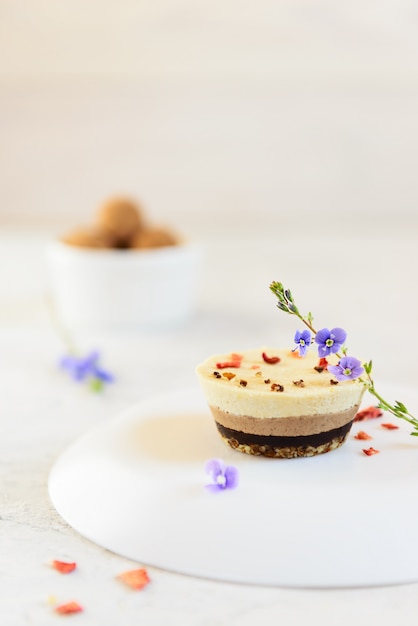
(136, 486)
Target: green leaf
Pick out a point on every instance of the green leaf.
(368, 367)
(277, 289)
(399, 406)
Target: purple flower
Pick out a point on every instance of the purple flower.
(83, 368)
(222, 476)
(303, 341)
(330, 341)
(347, 369)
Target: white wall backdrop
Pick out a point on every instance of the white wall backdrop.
(269, 109)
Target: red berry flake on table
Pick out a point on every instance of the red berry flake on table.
(370, 451)
(370, 413)
(390, 426)
(62, 567)
(136, 578)
(68, 608)
(362, 436)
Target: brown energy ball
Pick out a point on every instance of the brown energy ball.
(89, 237)
(153, 237)
(121, 217)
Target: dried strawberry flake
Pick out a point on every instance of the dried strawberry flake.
(322, 365)
(222, 366)
(362, 436)
(370, 413)
(136, 578)
(68, 608)
(370, 451)
(390, 426)
(63, 567)
(270, 359)
(235, 361)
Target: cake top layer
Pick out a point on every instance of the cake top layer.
(271, 382)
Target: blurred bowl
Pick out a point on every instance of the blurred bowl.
(123, 289)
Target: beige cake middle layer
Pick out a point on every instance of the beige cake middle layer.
(284, 426)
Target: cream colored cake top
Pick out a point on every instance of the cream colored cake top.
(246, 383)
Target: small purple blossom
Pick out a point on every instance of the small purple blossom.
(347, 369)
(330, 341)
(303, 341)
(86, 368)
(222, 476)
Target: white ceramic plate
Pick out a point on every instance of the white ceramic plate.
(136, 487)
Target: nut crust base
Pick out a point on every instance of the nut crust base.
(286, 451)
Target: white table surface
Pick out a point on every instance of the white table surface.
(364, 281)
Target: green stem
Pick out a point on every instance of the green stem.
(289, 306)
(305, 321)
(408, 417)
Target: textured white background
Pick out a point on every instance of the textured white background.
(269, 108)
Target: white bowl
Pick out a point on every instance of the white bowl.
(123, 289)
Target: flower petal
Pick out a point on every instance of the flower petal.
(91, 358)
(323, 351)
(322, 335)
(353, 364)
(215, 468)
(303, 350)
(231, 475)
(306, 336)
(347, 363)
(214, 487)
(357, 371)
(67, 361)
(103, 375)
(338, 372)
(338, 335)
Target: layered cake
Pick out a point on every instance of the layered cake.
(274, 403)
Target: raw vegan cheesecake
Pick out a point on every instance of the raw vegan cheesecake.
(274, 403)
